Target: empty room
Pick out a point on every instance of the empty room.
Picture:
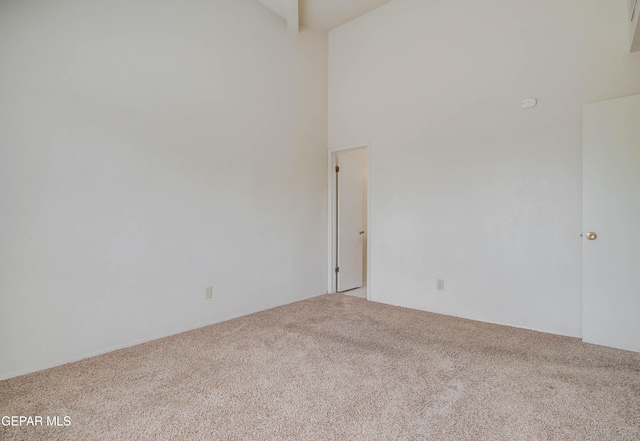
(319, 220)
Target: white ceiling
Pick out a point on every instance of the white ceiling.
(325, 15)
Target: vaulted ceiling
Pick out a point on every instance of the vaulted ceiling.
(322, 15)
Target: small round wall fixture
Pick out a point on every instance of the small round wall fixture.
(529, 103)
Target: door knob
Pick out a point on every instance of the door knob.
(591, 235)
(362, 232)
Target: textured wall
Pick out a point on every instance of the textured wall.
(149, 149)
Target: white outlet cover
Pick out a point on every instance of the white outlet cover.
(529, 103)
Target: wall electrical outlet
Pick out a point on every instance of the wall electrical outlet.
(208, 292)
(440, 285)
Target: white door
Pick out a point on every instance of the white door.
(611, 186)
(350, 222)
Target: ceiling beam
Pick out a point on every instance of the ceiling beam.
(293, 16)
(634, 26)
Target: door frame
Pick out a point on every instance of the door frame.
(331, 214)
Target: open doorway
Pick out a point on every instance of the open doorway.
(349, 221)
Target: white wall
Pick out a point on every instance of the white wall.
(466, 186)
(149, 149)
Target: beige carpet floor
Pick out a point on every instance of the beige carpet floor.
(338, 367)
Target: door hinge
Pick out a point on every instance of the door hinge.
(337, 269)
(337, 168)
